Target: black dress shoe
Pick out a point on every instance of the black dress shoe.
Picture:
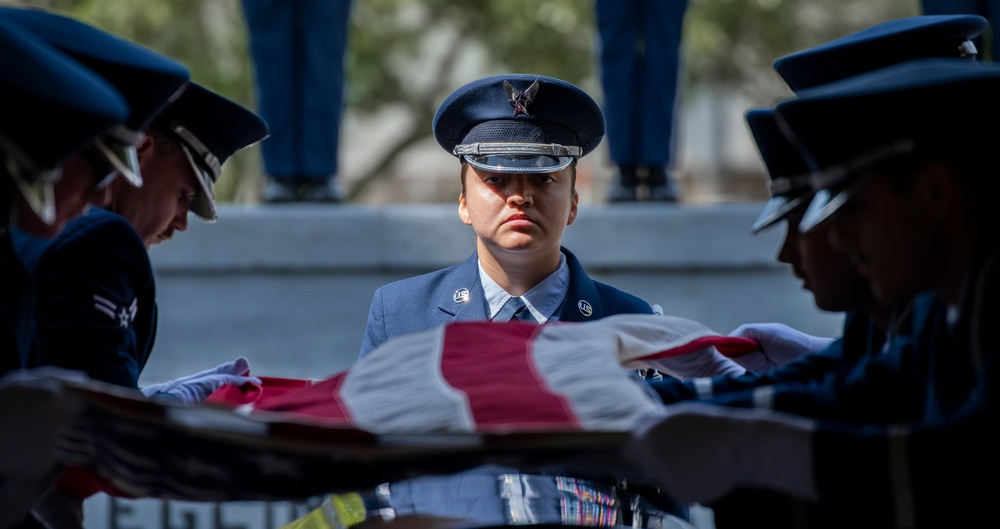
(322, 192)
(662, 187)
(620, 193)
(278, 192)
(663, 193)
(624, 188)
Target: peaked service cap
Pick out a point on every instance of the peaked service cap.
(789, 173)
(881, 45)
(210, 128)
(147, 80)
(849, 126)
(44, 121)
(519, 123)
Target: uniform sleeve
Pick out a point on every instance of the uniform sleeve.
(375, 332)
(882, 476)
(737, 390)
(88, 288)
(880, 389)
(906, 476)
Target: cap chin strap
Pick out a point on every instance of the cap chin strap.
(204, 155)
(123, 134)
(207, 169)
(34, 183)
(545, 149)
(838, 174)
(967, 49)
(786, 184)
(122, 156)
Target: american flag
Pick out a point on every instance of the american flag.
(436, 401)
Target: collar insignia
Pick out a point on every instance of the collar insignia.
(461, 295)
(585, 308)
(520, 100)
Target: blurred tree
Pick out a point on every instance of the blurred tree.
(730, 44)
(413, 53)
(409, 54)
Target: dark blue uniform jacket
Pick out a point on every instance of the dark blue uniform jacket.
(96, 297)
(16, 310)
(456, 294)
(860, 339)
(915, 433)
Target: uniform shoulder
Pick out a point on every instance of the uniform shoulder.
(421, 283)
(621, 301)
(101, 224)
(99, 229)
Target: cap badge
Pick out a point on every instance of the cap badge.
(585, 308)
(520, 100)
(461, 295)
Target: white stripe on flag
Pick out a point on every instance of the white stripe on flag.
(398, 388)
(580, 361)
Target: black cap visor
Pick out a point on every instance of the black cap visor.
(122, 156)
(776, 209)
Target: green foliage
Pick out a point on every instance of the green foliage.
(411, 53)
(731, 44)
(390, 39)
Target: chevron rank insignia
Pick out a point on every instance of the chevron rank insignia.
(123, 316)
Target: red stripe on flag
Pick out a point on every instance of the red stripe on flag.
(730, 346)
(492, 364)
(321, 401)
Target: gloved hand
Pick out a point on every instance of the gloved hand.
(699, 452)
(779, 343)
(699, 363)
(193, 389)
(671, 345)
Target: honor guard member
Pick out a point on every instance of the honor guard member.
(804, 384)
(147, 81)
(828, 274)
(518, 138)
(96, 284)
(909, 198)
(144, 81)
(33, 97)
(881, 45)
(96, 288)
(42, 125)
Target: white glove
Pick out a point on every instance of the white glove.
(779, 343)
(699, 452)
(193, 389)
(699, 363)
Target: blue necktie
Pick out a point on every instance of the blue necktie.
(514, 310)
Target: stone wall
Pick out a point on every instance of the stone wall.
(289, 286)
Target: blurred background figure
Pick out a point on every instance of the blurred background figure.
(640, 43)
(986, 43)
(297, 48)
